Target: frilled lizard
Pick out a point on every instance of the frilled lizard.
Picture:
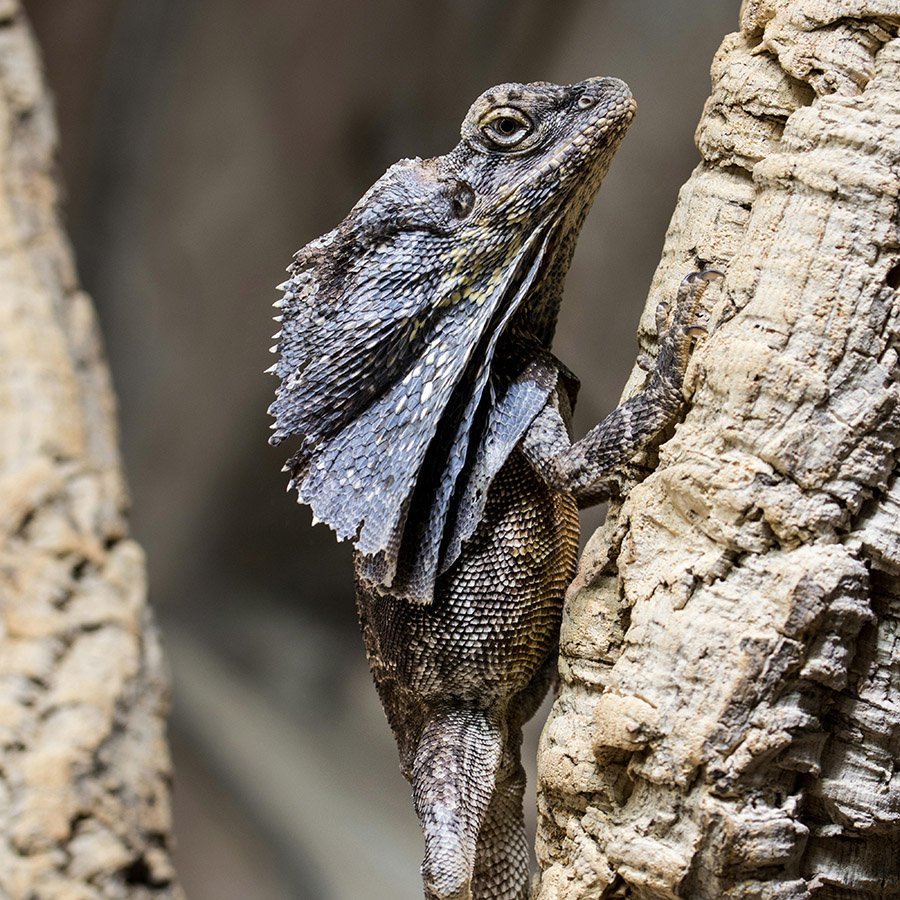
(433, 424)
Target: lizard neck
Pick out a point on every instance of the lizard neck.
(537, 317)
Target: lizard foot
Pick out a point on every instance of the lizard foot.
(689, 294)
(688, 323)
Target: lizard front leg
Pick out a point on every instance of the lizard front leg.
(582, 468)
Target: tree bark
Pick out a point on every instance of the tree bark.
(84, 782)
(728, 723)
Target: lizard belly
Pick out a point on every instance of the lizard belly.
(496, 613)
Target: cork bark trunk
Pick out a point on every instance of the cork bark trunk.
(728, 723)
(84, 768)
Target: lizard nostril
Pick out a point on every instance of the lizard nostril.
(586, 101)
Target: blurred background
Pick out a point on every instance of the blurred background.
(202, 143)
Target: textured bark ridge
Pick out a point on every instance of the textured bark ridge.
(728, 723)
(84, 782)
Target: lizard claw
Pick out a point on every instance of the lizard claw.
(687, 289)
(690, 293)
(706, 274)
(688, 324)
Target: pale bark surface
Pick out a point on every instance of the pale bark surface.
(729, 718)
(84, 781)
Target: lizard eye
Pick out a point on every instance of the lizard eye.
(505, 127)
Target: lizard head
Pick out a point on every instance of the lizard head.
(531, 159)
(527, 148)
(392, 321)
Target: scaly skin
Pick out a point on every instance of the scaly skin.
(459, 677)
(434, 432)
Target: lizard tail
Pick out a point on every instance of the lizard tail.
(453, 777)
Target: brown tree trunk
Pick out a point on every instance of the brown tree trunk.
(84, 781)
(729, 718)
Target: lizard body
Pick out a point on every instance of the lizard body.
(434, 432)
